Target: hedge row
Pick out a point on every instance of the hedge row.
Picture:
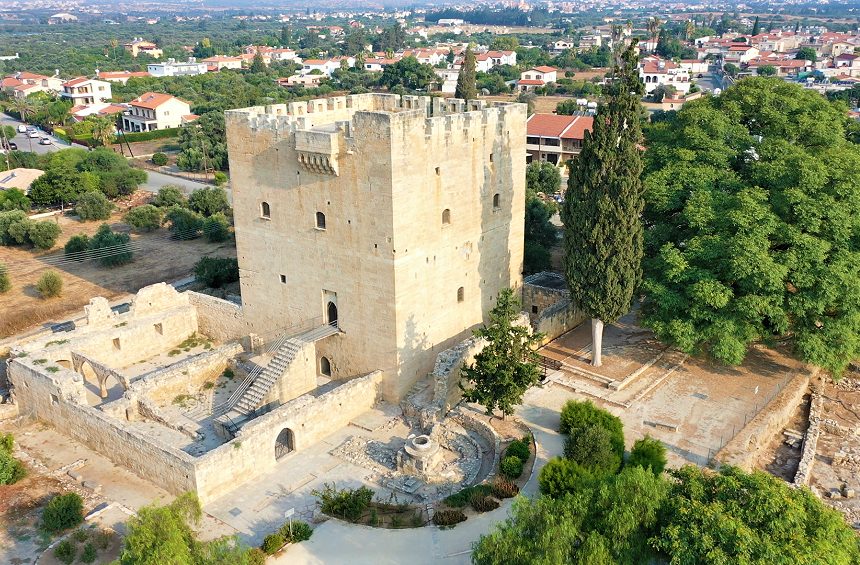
(148, 135)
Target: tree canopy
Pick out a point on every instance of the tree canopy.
(753, 225)
(466, 78)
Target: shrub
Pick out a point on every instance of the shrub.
(66, 551)
(648, 453)
(93, 206)
(116, 247)
(518, 449)
(511, 467)
(43, 235)
(215, 228)
(345, 503)
(483, 503)
(215, 273)
(448, 517)
(159, 159)
(301, 531)
(169, 195)
(209, 200)
(256, 556)
(14, 227)
(464, 497)
(78, 244)
(63, 512)
(103, 538)
(561, 475)
(272, 543)
(80, 535)
(5, 282)
(146, 217)
(591, 446)
(14, 199)
(504, 489)
(7, 443)
(184, 223)
(50, 284)
(220, 178)
(576, 414)
(89, 555)
(11, 470)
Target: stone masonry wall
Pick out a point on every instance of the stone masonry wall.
(58, 398)
(219, 319)
(252, 452)
(299, 378)
(536, 299)
(747, 445)
(187, 376)
(558, 319)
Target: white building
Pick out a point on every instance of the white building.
(86, 90)
(655, 71)
(171, 68)
(152, 111)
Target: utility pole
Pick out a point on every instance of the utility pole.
(7, 147)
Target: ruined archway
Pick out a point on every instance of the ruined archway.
(285, 443)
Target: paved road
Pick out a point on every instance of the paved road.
(157, 180)
(26, 144)
(708, 82)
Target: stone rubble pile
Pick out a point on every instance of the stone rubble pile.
(370, 454)
(846, 460)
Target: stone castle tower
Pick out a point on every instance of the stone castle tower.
(401, 221)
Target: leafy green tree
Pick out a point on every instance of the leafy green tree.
(603, 233)
(112, 249)
(169, 195)
(184, 223)
(540, 233)
(749, 239)
(11, 469)
(14, 199)
(601, 523)
(755, 28)
(257, 63)
(162, 534)
(216, 228)
(730, 516)
(93, 206)
(527, 98)
(146, 217)
(731, 69)
(591, 447)
(209, 132)
(407, 73)
(5, 282)
(561, 475)
(209, 200)
(43, 235)
(77, 245)
(576, 414)
(14, 226)
(216, 272)
(807, 54)
(466, 78)
(766, 70)
(507, 366)
(648, 453)
(159, 159)
(542, 176)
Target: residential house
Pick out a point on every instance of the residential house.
(555, 139)
(486, 61)
(152, 111)
(86, 90)
(23, 84)
(536, 77)
(587, 42)
(139, 46)
(561, 46)
(694, 66)
(447, 79)
(223, 62)
(171, 68)
(305, 81)
(325, 66)
(121, 77)
(19, 178)
(654, 71)
(672, 103)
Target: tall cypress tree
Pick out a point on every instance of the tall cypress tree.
(466, 79)
(604, 198)
(755, 29)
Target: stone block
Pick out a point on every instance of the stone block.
(93, 486)
(75, 475)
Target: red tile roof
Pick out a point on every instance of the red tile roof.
(531, 82)
(564, 127)
(152, 100)
(545, 69)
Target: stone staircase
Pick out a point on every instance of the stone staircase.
(254, 395)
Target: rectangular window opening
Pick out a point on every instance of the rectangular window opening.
(284, 279)
(159, 328)
(116, 343)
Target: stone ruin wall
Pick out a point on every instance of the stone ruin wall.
(556, 312)
(219, 319)
(252, 452)
(59, 399)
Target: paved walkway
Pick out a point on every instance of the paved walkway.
(339, 542)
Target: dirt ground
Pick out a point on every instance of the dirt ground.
(157, 258)
(782, 455)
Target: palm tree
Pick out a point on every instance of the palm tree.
(24, 108)
(653, 26)
(689, 28)
(114, 44)
(616, 32)
(103, 130)
(629, 26)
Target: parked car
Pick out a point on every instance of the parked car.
(10, 146)
(45, 141)
(22, 128)
(33, 134)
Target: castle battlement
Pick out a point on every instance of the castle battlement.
(333, 115)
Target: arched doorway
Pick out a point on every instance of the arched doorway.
(325, 366)
(285, 443)
(332, 314)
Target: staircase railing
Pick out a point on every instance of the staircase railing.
(268, 347)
